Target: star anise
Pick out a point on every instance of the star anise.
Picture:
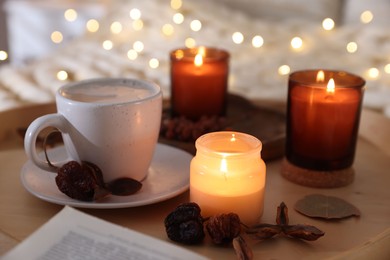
(301, 231)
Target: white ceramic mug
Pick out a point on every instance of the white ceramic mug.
(113, 123)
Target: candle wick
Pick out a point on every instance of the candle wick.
(329, 97)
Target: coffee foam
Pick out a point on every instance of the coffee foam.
(107, 94)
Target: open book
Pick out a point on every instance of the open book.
(72, 234)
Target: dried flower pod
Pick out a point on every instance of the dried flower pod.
(80, 181)
(185, 224)
(282, 214)
(243, 251)
(265, 231)
(305, 232)
(185, 130)
(223, 228)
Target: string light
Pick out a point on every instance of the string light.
(238, 38)
(135, 14)
(257, 41)
(296, 43)
(92, 25)
(352, 47)
(196, 25)
(56, 37)
(284, 70)
(70, 15)
(176, 4)
(62, 75)
(116, 27)
(167, 29)
(387, 68)
(138, 46)
(372, 73)
(3, 55)
(108, 45)
(132, 54)
(138, 25)
(154, 63)
(366, 17)
(328, 24)
(178, 18)
(190, 43)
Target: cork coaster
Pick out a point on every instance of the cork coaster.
(317, 179)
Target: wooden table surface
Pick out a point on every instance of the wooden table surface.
(362, 238)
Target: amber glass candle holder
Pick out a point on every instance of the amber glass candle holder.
(323, 114)
(199, 81)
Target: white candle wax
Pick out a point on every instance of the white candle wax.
(228, 175)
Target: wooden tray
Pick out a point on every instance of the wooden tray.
(366, 237)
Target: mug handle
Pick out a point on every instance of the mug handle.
(30, 139)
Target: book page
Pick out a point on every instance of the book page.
(72, 234)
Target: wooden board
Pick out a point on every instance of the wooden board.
(265, 123)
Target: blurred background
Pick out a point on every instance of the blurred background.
(47, 43)
(3, 29)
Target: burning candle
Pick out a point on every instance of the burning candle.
(199, 78)
(228, 175)
(323, 117)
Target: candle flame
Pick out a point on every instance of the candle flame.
(198, 60)
(330, 88)
(320, 76)
(223, 167)
(199, 56)
(233, 138)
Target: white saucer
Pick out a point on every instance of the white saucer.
(168, 176)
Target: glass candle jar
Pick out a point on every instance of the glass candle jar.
(199, 80)
(323, 114)
(228, 175)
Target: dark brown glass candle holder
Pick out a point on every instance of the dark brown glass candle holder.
(323, 114)
(199, 81)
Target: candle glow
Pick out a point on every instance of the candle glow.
(218, 181)
(320, 76)
(330, 88)
(198, 61)
(199, 82)
(313, 141)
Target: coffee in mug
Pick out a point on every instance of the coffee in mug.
(112, 123)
